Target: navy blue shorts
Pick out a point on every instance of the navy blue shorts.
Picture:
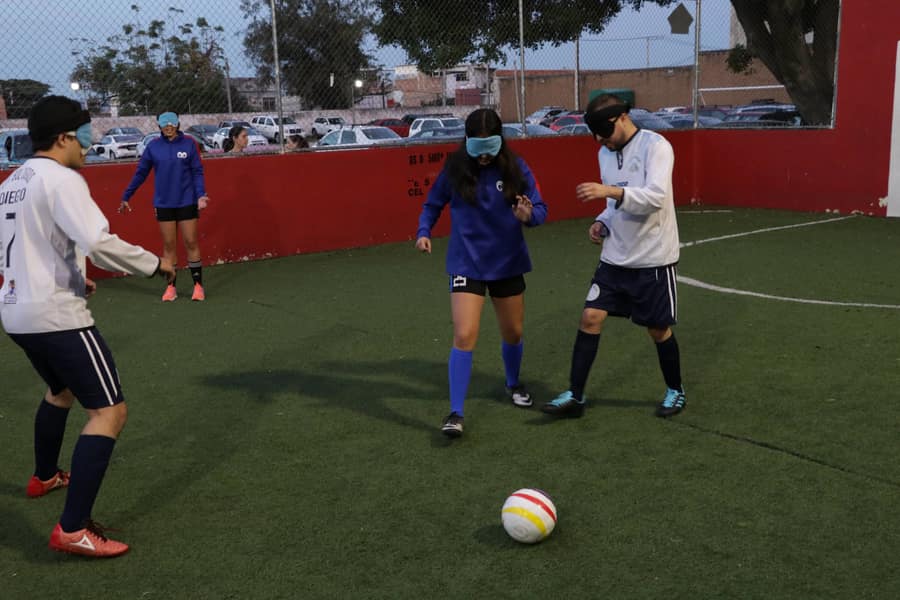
(182, 213)
(78, 360)
(499, 288)
(648, 296)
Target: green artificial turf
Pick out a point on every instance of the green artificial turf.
(283, 437)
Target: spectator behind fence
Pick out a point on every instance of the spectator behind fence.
(295, 142)
(238, 139)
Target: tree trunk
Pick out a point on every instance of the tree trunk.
(776, 33)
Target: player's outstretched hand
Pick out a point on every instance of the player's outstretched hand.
(90, 287)
(423, 244)
(166, 269)
(590, 191)
(202, 201)
(522, 209)
(124, 208)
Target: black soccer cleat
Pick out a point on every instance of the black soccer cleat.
(672, 404)
(453, 425)
(519, 395)
(565, 405)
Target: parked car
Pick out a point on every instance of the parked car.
(544, 112)
(552, 115)
(230, 124)
(684, 121)
(433, 123)
(123, 131)
(92, 157)
(145, 141)
(439, 132)
(118, 146)
(359, 135)
(256, 138)
(577, 129)
(408, 119)
(513, 130)
(324, 125)
(565, 120)
(647, 120)
(204, 132)
(15, 147)
(398, 126)
(268, 126)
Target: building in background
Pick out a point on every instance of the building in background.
(261, 97)
(463, 84)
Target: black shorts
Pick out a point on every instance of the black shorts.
(648, 296)
(182, 213)
(78, 360)
(499, 288)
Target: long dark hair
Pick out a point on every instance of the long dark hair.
(462, 169)
(235, 131)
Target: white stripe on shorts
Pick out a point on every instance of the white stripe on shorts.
(673, 291)
(109, 397)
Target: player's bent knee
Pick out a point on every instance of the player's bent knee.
(592, 320)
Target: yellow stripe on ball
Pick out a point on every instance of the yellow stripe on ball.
(524, 513)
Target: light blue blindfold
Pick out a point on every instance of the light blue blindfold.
(83, 135)
(490, 145)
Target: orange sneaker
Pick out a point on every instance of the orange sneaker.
(37, 488)
(170, 294)
(89, 541)
(198, 295)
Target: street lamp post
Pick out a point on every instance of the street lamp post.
(77, 86)
(357, 84)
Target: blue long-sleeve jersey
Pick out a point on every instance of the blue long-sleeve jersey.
(486, 239)
(178, 172)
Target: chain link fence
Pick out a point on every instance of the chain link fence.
(361, 60)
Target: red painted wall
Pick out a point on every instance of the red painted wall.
(845, 168)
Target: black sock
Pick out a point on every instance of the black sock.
(49, 429)
(582, 358)
(89, 462)
(670, 362)
(196, 268)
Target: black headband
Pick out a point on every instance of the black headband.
(599, 122)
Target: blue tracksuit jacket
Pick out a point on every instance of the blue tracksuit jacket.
(178, 172)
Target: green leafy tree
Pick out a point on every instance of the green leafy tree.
(156, 67)
(20, 94)
(438, 35)
(319, 47)
(777, 34)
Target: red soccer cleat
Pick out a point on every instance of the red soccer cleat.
(199, 295)
(37, 488)
(170, 294)
(89, 541)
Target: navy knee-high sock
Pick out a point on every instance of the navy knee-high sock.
(583, 355)
(460, 371)
(512, 362)
(89, 462)
(670, 362)
(49, 429)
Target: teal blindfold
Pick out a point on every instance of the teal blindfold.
(490, 145)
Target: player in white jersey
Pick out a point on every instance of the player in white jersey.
(48, 225)
(636, 274)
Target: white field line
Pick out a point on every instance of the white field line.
(725, 290)
(702, 212)
(765, 230)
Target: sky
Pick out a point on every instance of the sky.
(38, 39)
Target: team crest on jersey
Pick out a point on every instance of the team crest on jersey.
(10, 296)
(499, 185)
(634, 165)
(182, 155)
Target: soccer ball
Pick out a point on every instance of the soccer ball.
(528, 515)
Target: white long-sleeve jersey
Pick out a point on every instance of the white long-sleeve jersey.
(48, 224)
(643, 231)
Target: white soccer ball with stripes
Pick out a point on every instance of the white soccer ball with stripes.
(528, 515)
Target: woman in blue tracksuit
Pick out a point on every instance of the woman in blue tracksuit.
(492, 194)
(178, 197)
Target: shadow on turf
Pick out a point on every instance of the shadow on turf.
(19, 536)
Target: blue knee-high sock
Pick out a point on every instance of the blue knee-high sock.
(512, 362)
(460, 371)
(89, 462)
(49, 429)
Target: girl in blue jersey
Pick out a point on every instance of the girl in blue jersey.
(179, 196)
(492, 194)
